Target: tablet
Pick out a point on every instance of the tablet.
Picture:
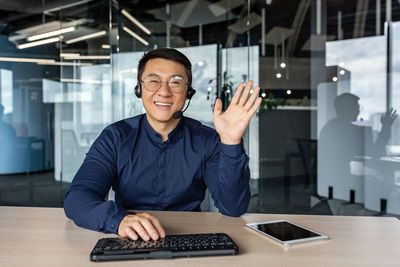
(285, 232)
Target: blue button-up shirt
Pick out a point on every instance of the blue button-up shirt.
(148, 174)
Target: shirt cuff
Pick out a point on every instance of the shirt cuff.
(112, 225)
(232, 150)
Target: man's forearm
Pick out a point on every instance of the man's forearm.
(91, 212)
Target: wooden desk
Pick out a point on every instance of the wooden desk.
(45, 237)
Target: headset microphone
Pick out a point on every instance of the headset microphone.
(179, 113)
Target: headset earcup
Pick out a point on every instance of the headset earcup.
(190, 93)
(138, 91)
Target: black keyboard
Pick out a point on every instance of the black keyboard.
(171, 246)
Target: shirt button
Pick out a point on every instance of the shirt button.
(97, 227)
(113, 226)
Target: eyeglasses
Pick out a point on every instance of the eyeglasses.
(153, 82)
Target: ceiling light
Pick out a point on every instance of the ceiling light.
(50, 34)
(26, 60)
(263, 95)
(37, 43)
(200, 63)
(283, 65)
(131, 18)
(87, 57)
(57, 63)
(68, 80)
(278, 75)
(105, 46)
(341, 64)
(334, 79)
(133, 70)
(288, 92)
(85, 37)
(69, 54)
(66, 6)
(143, 41)
(342, 72)
(125, 71)
(45, 27)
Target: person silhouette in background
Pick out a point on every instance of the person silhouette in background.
(341, 141)
(6, 130)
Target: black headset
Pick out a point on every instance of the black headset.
(190, 92)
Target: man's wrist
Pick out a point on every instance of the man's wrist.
(228, 141)
(233, 150)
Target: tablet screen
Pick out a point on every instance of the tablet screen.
(284, 230)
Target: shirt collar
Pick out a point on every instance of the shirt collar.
(173, 136)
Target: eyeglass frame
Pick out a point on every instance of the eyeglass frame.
(161, 82)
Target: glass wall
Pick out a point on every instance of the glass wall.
(26, 120)
(358, 157)
(326, 139)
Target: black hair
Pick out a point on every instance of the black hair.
(166, 53)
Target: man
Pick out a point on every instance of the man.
(161, 160)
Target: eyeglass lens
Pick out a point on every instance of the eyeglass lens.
(153, 83)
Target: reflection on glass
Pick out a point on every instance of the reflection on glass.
(6, 89)
(396, 69)
(26, 126)
(357, 156)
(365, 59)
(204, 69)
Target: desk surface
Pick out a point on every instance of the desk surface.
(45, 237)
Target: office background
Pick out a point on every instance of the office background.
(324, 142)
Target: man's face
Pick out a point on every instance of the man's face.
(161, 104)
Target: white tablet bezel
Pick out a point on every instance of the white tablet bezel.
(287, 242)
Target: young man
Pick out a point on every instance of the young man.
(161, 160)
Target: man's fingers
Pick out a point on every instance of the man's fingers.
(252, 98)
(156, 223)
(246, 93)
(218, 107)
(236, 96)
(141, 225)
(138, 227)
(150, 229)
(131, 233)
(255, 107)
(158, 226)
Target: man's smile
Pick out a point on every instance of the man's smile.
(163, 105)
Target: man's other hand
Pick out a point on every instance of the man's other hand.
(231, 124)
(141, 225)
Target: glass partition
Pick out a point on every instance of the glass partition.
(86, 81)
(358, 161)
(27, 115)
